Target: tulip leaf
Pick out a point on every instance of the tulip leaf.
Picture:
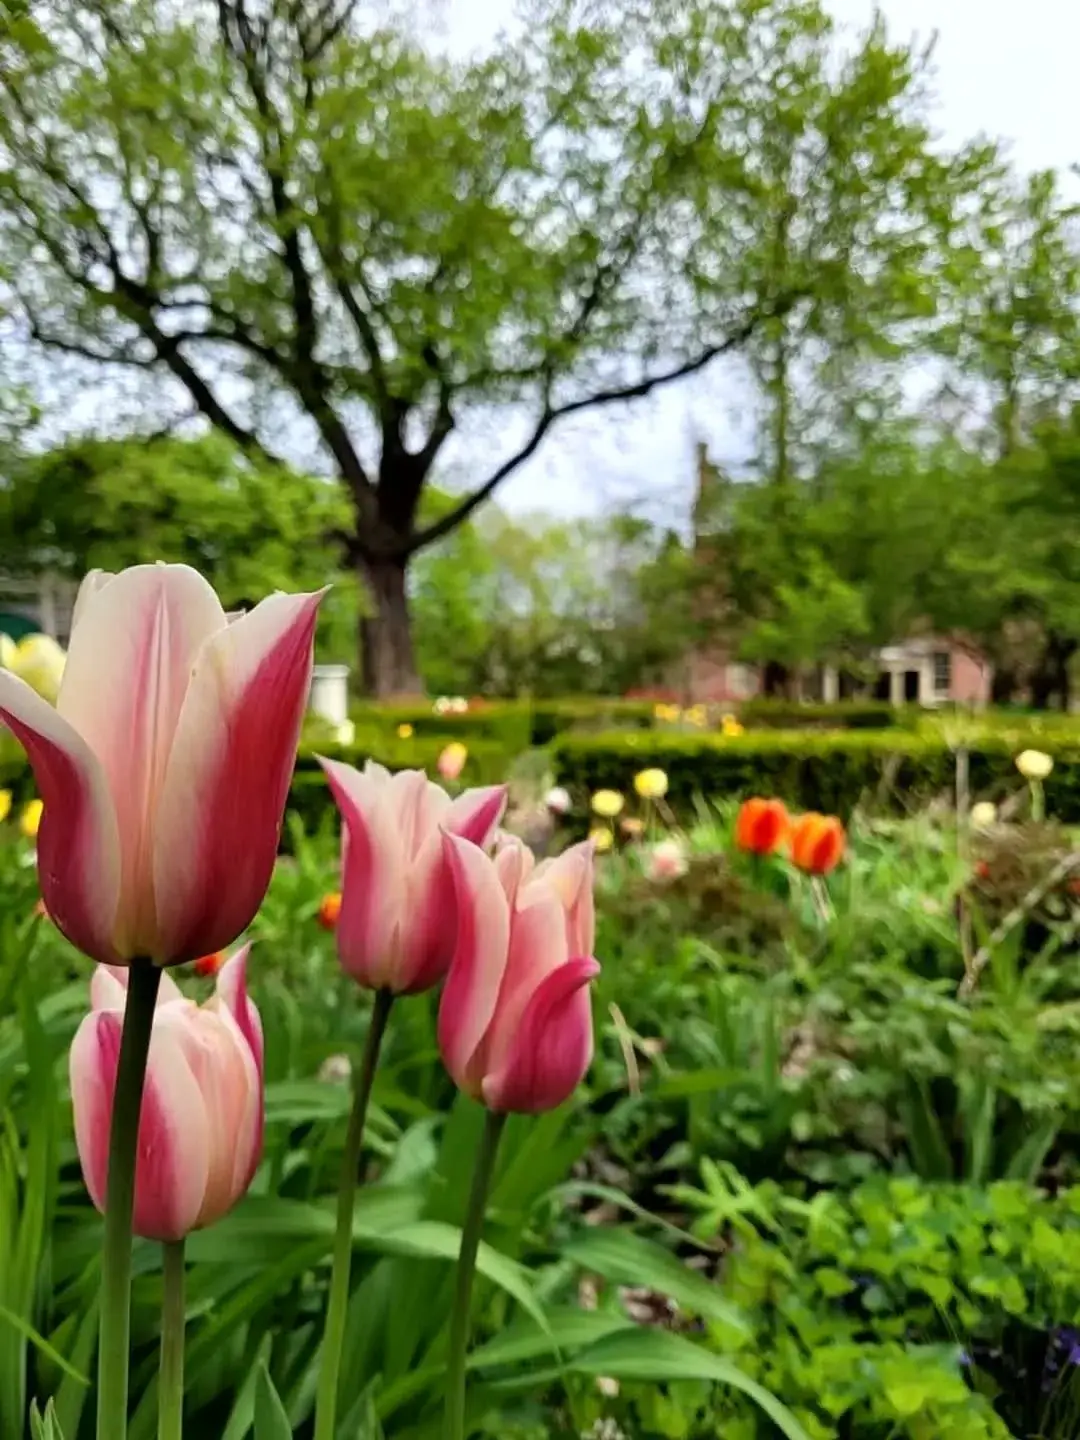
(47, 1428)
(271, 1421)
(629, 1259)
(656, 1356)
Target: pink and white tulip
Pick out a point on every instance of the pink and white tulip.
(395, 929)
(201, 1124)
(515, 1022)
(165, 765)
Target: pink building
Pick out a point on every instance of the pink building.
(928, 671)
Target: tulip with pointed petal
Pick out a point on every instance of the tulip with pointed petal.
(395, 927)
(515, 1023)
(201, 1127)
(165, 766)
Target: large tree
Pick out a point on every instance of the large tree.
(306, 219)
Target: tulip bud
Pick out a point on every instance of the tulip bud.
(395, 928)
(983, 815)
(201, 1124)
(165, 766)
(515, 1023)
(651, 784)
(558, 800)
(451, 762)
(667, 860)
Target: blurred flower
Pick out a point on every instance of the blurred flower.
(983, 815)
(1034, 764)
(558, 800)
(405, 731)
(336, 1070)
(651, 784)
(201, 1130)
(667, 860)
(441, 706)
(5, 805)
(330, 910)
(761, 826)
(982, 870)
(345, 733)
(632, 826)
(515, 1019)
(210, 964)
(30, 819)
(458, 705)
(8, 650)
(451, 762)
(696, 715)
(39, 661)
(817, 843)
(670, 714)
(730, 726)
(607, 803)
(392, 931)
(165, 766)
(601, 839)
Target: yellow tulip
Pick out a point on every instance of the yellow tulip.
(5, 804)
(1034, 764)
(40, 661)
(602, 839)
(729, 725)
(405, 732)
(30, 819)
(983, 815)
(696, 715)
(8, 650)
(651, 784)
(607, 803)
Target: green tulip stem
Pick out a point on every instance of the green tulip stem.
(466, 1268)
(115, 1335)
(171, 1381)
(338, 1304)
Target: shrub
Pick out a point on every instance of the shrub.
(842, 715)
(811, 770)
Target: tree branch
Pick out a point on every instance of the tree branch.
(551, 414)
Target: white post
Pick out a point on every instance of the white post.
(830, 684)
(896, 685)
(329, 697)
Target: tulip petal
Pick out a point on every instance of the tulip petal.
(417, 807)
(228, 776)
(553, 1044)
(538, 946)
(571, 874)
(173, 1155)
(78, 845)
(480, 958)
(109, 985)
(231, 990)
(374, 884)
(127, 674)
(475, 815)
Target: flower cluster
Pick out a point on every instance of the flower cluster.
(816, 843)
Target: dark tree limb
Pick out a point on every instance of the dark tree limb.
(551, 414)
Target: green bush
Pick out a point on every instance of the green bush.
(843, 715)
(811, 770)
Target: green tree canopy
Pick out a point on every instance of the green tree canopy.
(309, 222)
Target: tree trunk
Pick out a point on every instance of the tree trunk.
(387, 661)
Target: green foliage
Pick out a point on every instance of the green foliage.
(249, 528)
(843, 715)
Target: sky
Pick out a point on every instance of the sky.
(1003, 69)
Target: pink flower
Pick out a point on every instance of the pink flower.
(667, 860)
(395, 929)
(515, 1023)
(166, 764)
(201, 1125)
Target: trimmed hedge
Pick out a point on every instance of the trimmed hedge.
(843, 715)
(515, 724)
(831, 772)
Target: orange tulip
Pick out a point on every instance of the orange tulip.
(762, 826)
(817, 843)
(210, 964)
(329, 910)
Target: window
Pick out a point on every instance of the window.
(942, 672)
